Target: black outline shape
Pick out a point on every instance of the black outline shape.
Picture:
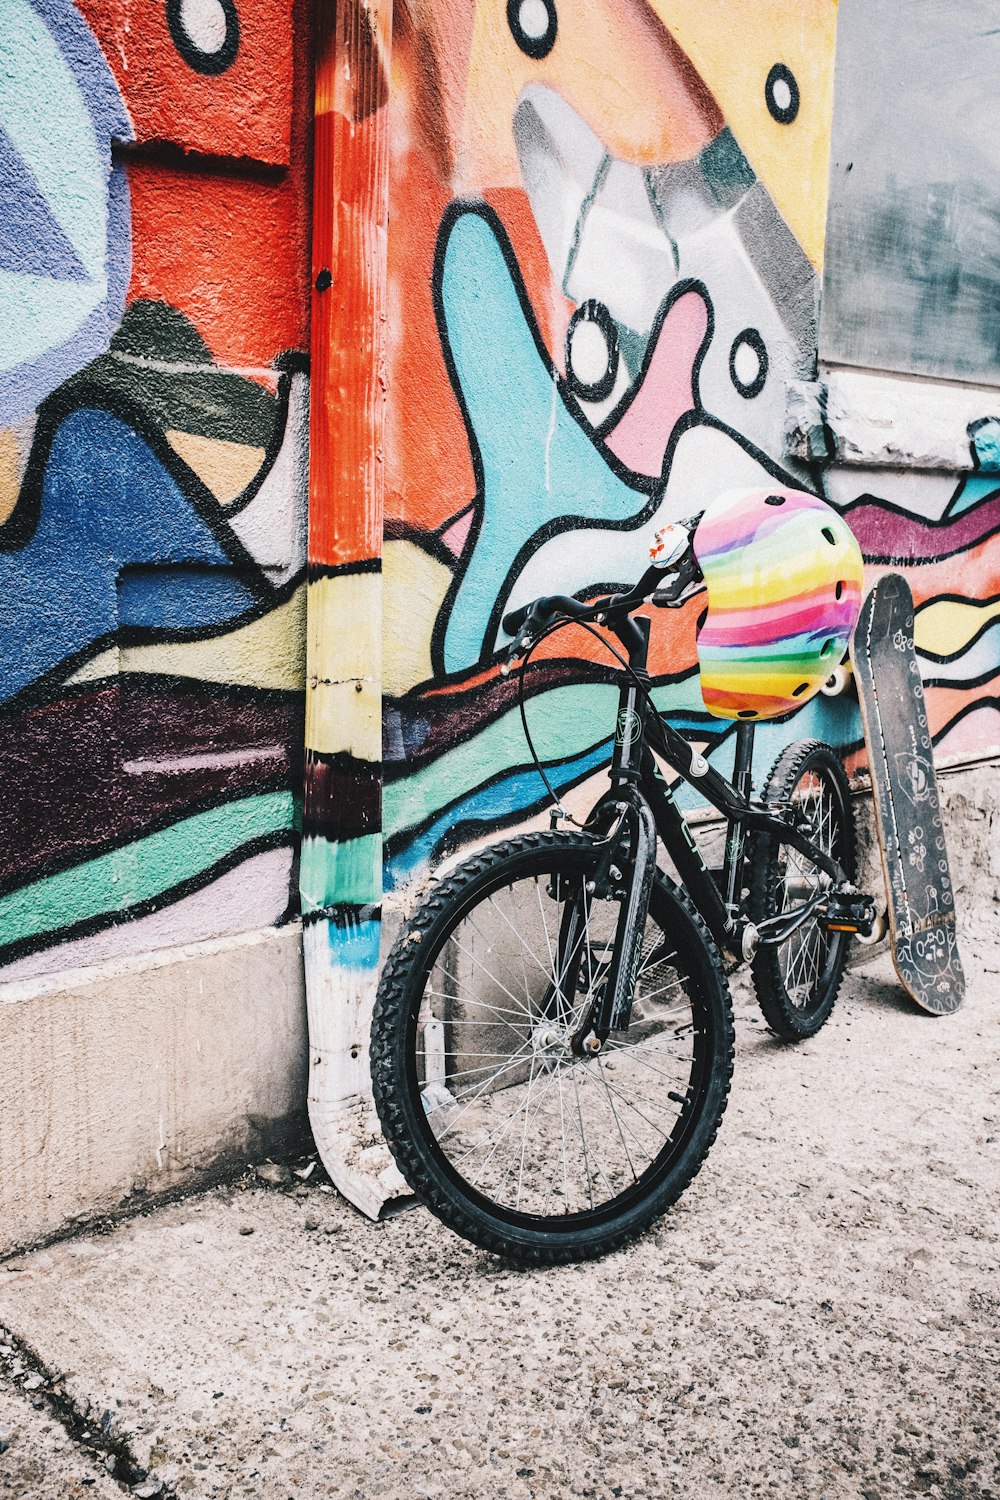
(641, 483)
(211, 64)
(535, 47)
(752, 339)
(593, 311)
(781, 73)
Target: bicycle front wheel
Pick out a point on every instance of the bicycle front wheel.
(499, 1118)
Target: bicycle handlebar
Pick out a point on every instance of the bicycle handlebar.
(527, 623)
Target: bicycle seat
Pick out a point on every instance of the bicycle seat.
(784, 576)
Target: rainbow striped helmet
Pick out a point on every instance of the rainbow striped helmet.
(784, 576)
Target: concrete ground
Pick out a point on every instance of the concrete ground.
(818, 1317)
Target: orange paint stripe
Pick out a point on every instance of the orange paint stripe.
(350, 214)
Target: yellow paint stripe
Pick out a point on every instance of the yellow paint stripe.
(344, 666)
(267, 653)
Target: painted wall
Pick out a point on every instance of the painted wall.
(153, 460)
(606, 234)
(598, 290)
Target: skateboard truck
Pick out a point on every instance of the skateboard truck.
(850, 911)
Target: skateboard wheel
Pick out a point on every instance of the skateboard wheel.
(838, 681)
(880, 927)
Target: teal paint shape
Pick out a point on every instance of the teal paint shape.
(346, 873)
(986, 444)
(538, 468)
(145, 870)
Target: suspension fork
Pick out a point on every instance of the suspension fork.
(636, 843)
(626, 872)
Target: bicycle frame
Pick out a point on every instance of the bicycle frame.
(641, 732)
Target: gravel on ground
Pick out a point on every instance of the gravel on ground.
(818, 1317)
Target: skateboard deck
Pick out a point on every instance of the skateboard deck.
(919, 893)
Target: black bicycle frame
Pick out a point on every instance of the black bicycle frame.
(639, 732)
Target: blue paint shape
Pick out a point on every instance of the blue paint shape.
(539, 465)
(986, 444)
(487, 807)
(52, 68)
(107, 504)
(356, 946)
(168, 598)
(31, 241)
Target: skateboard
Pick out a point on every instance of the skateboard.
(921, 902)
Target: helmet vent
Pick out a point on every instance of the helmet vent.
(803, 687)
(748, 713)
(829, 536)
(840, 588)
(829, 647)
(775, 500)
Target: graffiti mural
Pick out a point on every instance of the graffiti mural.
(609, 275)
(153, 449)
(603, 274)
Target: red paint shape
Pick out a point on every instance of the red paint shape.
(246, 111)
(887, 534)
(429, 474)
(230, 252)
(551, 308)
(667, 392)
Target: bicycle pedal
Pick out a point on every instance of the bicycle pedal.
(850, 911)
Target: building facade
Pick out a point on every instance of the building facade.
(577, 267)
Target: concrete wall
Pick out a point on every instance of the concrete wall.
(147, 1075)
(154, 174)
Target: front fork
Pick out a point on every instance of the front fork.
(625, 874)
(627, 868)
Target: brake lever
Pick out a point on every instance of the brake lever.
(686, 581)
(672, 598)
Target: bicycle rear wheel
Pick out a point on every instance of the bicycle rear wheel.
(797, 983)
(520, 1143)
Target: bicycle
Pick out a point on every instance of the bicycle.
(553, 1042)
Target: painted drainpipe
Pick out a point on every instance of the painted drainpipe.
(341, 869)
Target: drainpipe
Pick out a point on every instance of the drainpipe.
(341, 867)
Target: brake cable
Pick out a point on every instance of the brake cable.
(558, 809)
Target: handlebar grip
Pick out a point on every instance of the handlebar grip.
(513, 622)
